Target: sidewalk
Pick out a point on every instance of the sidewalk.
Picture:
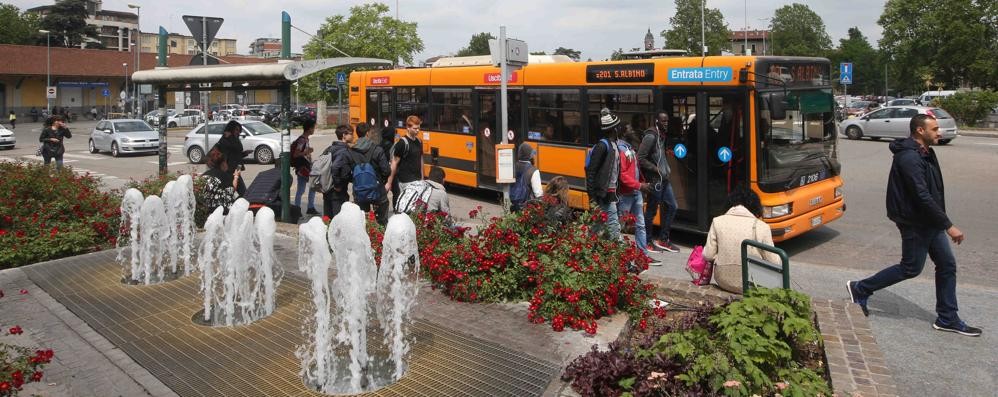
(979, 132)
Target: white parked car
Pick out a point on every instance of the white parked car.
(893, 122)
(260, 139)
(123, 136)
(7, 138)
(189, 118)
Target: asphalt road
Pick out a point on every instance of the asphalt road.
(863, 239)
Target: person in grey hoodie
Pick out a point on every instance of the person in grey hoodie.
(655, 170)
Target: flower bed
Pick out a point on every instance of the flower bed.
(571, 274)
(764, 344)
(20, 365)
(47, 214)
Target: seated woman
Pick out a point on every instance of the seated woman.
(219, 186)
(555, 201)
(724, 240)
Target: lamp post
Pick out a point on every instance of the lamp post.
(138, 49)
(48, 69)
(764, 33)
(124, 86)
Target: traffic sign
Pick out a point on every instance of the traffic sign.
(50, 92)
(680, 151)
(724, 154)
(105, 92)
(341, 78)
(845, 73)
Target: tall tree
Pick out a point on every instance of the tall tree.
(370, 32)
(946, 44)
(67, 20)
(867, 67)
(685, 31)
(19, 27)
(575, 55)
(478, 45)
(799, 31)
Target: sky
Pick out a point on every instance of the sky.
(595, 27)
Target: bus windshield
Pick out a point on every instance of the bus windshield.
(801, 148)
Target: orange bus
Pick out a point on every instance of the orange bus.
(763, 121)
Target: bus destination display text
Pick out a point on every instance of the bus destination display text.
(628, 73)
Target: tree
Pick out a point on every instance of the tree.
(867, 64)
(798, 31)
(685, 32)
(617, 54)
(575, 55)
(369, 32)
(946, 44)
(19, 27)
(478, 45)
(67, 22)
(538, 53)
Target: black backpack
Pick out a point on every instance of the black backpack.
(521, 191)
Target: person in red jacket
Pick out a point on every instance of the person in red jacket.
(629, 190)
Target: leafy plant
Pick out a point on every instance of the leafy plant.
(971, 107)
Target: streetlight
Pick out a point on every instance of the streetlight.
(138, 47)
(124, 87)
(764, 33)
(48, 69)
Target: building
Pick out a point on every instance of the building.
(265, 47)
(650, 51)
(649, 41)
(758, 42)
(114, 28)
(186, 45)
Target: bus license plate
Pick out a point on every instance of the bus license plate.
(816, 221)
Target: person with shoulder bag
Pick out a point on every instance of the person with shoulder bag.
(603, 173)
(52, 137)
(528, 179)
(723, 251)
(301, 160)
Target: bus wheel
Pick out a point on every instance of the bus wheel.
(854, 133)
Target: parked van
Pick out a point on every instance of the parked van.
(926, 98)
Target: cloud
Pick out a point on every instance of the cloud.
(594, 27)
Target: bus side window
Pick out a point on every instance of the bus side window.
(554, 116)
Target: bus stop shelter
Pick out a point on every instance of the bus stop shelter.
(267, 76)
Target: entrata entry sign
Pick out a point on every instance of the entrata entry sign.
(628, 73)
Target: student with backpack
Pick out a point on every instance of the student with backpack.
(338, 173)
(629, 191)
(369, 171)
(528, 179)
(407, 156)
(603, 172)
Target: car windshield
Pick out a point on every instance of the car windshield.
(132, 126)
(801, 148)
(259, 128)
(859, 104)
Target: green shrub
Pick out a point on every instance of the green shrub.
(971, 107)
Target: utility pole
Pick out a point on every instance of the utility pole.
(703, 29)
(286, 127)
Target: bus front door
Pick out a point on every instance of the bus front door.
(487, 128)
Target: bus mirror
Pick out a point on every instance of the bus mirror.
(778, 105)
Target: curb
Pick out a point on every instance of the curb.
(979, 134)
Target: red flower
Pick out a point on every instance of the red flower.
(16, 330)
(4, 386)
(37, 376)
(24, 291)
(3, 232)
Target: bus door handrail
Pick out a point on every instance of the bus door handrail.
(784, 259)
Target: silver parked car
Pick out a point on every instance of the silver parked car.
(893, 121)
(123, 136)
(7, 138)
(257, 137)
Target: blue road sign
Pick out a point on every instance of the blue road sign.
(341, 78)
(724, 154)
(105, 92)
(679, 150)
(845, 73)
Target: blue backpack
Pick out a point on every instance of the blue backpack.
(521, 191)
(366, 186)
(590, 151)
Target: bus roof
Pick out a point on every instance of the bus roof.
(486, 60)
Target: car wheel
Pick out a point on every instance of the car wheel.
(944, 141)
(92, 147)
(854, 132)
(173, 124)
(264, 155)
(114, 149)
(195, 155)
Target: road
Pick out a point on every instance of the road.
(863, 239)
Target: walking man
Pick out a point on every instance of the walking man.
(603, 172)
(301, 160)
(407, 156)
(915, 202)
(655, 169)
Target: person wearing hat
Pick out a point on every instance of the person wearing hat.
(603, 172)
(528, 179)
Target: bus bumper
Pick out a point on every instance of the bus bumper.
(796, 226)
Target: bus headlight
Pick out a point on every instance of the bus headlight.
(838, 192)
(776, 211)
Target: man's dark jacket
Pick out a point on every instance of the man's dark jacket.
(362, 148)
(915, 187)
(338, 153)
(598, 172)
(232, 148)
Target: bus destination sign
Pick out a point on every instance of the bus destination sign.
(626, 73)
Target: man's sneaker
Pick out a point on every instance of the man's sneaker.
(651, 248)
(665, 245)
(961, 328)
(312, 211)
(857, 297)
(655, 262)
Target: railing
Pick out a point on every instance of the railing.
(784, 270)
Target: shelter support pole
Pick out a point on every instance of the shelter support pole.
(286, 152)
(161, 104)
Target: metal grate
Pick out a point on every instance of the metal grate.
(152, 324)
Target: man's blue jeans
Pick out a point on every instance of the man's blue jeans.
(633, 203)
(661, 196)
(301, 188)
(916, 243)
(612, 221)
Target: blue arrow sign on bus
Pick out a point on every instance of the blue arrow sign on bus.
(724, 154)
(680, 151)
